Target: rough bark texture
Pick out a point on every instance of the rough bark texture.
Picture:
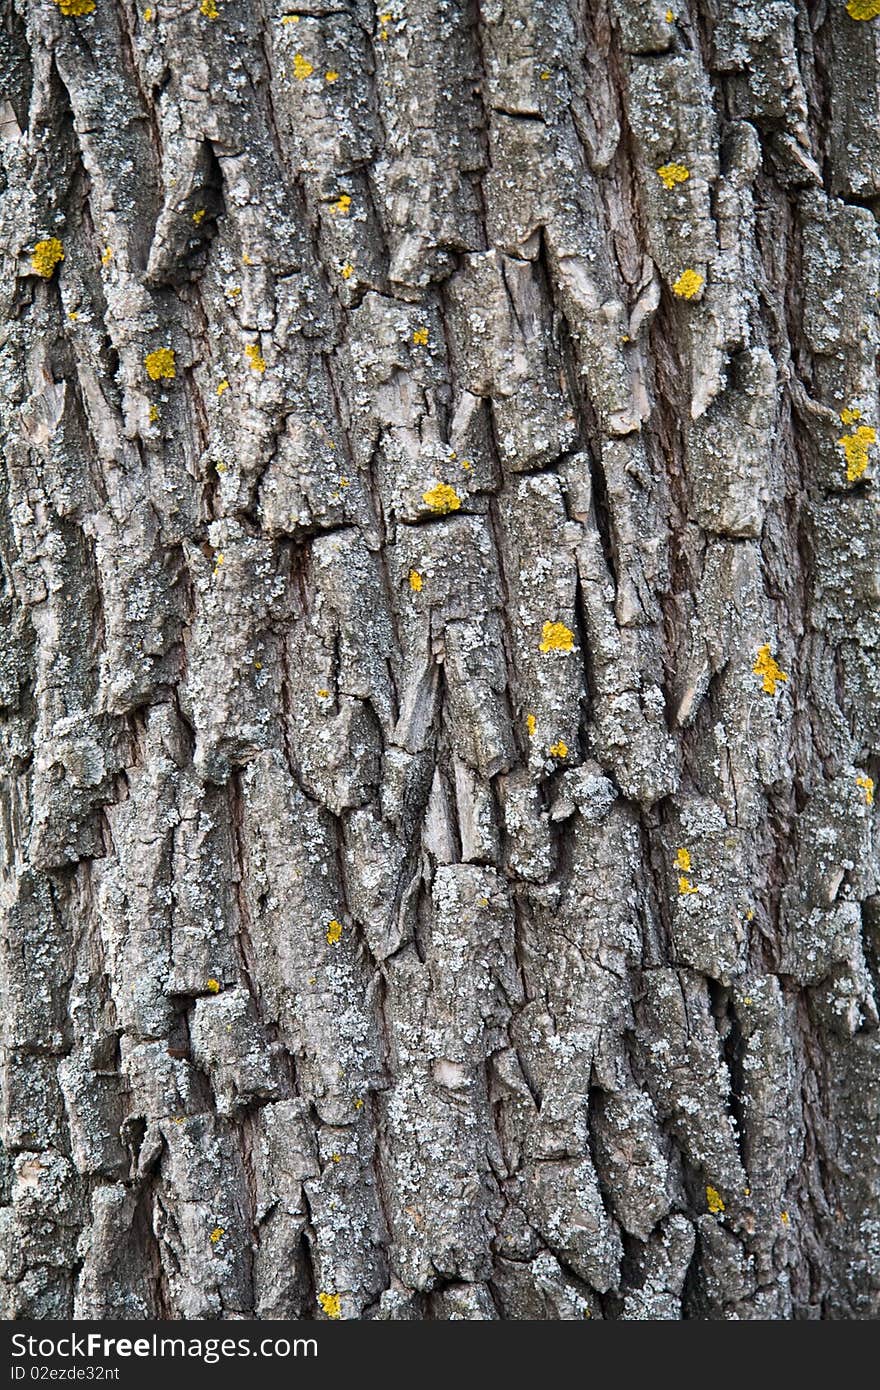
(439, 681)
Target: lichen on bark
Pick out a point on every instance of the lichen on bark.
(439, 675)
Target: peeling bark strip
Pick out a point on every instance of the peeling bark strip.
(440, 682)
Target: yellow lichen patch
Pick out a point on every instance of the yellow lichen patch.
(442, 498)
(867, 785)
(420, 337)
(148, 15)
(556, 637)
(863, 9)
(685, 886)
(688, 284)
(671, 174)
(855, 448)
(106, 255)
(46, 255)
(331, 1304)
(222, 386)
(714, 1201)
(559, 749)
(415, 581)
(302, 68)
(213, 986)
(245, 259)
(336, 1158)
(331, 75)
(323, 694)
(466, 465)
(683, 860)
(154, 414)
(358, 1103)
(347, 271)
(252, 353)
(850, 415)
(766, 667)
(209, 9)
(334, 932)
(784, 1218)
(290, 19)
(198, 216)
(218, 561)
(545, 75)
(531, 725)
(341, 206)
(216, 1235)
(73, 316)
(73, 9)
(384, 21)
(670, 17)
(160, 364)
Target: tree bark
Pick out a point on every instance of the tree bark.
(439, 674)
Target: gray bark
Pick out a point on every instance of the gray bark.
(439, 719)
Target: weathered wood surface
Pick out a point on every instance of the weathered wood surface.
(439, 672)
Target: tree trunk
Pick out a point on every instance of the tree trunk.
(439, 682)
